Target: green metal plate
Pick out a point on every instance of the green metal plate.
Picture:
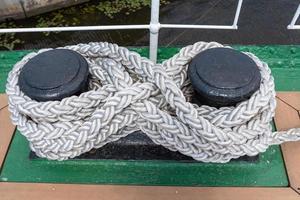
(269, 170)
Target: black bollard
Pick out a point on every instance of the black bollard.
(54, 75)
(223, 77)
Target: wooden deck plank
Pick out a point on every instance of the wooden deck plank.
(6, 128)
(30, 191)
(291, 98)
(3, 101)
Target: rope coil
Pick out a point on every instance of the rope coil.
(129, 93)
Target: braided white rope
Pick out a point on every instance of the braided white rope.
(129, 93)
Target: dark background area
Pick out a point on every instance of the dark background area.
(261, 22)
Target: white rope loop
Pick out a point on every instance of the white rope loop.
(129, 93)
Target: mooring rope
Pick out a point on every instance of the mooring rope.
(129, 93)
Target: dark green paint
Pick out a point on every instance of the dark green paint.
(268, 171)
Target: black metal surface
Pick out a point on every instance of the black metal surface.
(54, 75)
(137, 146)
(223, 77)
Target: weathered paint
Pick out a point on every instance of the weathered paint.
(18, 9)
(268, 171)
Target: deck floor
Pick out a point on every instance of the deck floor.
(269, 170)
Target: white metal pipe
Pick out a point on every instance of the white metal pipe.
(294, 27)
(154, 29)
(111, 27)
(153, 47)
(294, 20)
(237, 14)
(192, 26)
(74, 28)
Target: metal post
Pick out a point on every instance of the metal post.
(154, 29)
(294, 20)
(237, 14)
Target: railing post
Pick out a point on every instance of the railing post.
(294, 20)
(237, 14)
(154, 29)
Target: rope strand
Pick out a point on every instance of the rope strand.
(129, 93)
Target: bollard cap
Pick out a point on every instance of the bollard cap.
(223, 77)
(54, 75)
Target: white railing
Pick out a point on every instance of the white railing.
(153, 27)
(294, 20)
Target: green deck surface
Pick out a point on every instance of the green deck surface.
(269, 170)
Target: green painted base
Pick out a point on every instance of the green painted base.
(268, 171)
